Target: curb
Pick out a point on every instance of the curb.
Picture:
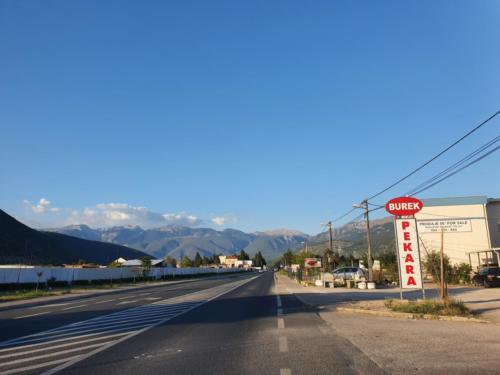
(390, 314)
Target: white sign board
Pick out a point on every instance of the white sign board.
(408, 254)
(448, 225)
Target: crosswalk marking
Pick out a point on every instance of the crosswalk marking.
(55, 349)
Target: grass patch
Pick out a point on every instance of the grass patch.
(449, 307)
(29, 294)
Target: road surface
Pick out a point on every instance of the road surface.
(233, 324)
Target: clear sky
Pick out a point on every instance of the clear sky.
(244, 114)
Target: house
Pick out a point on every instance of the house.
(228, 261)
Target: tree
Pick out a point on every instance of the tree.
(243, 255)
(197, 260)
(206, 260)
(145, 264)
(328, 260)
(287, 258)
(258, 260)
(216, 259)
(170, 262)
(186, 262)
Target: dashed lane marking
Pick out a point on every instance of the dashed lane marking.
(74, 307)
(126, 302)
(281, 323)
(30, 315)
(283, 344)
(285, 371)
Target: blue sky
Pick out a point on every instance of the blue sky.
(252, 115)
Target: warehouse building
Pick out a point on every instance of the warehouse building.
(468, 227)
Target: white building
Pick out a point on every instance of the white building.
(468, 224)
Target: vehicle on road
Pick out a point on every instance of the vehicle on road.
(349, 273)
(487, 276)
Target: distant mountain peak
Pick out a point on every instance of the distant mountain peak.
(282, 232)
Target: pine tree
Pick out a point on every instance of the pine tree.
(197, 260)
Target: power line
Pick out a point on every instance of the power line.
(457, 171)
(344, 215)
(436, 156)
(457, 164)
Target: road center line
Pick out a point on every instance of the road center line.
(28, 316)
(74, 307)
(108, 300)
(283, 344)
(281, 323)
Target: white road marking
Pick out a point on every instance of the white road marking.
(17, 353)
(281, 323)
(29, 316)
(283, 344)
(278, 300)
(52, 305)
(125, 302)
(279, 311)
(125, 297)
(46, 355)
(74, 307)
(285, 371)
(108, 300)
(34, 367)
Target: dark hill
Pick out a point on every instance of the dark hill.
(22, 244)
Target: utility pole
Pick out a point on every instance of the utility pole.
(443, 292)
(370, 271)
(330, 235)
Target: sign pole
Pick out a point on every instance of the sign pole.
(397, 259)
(419, 256)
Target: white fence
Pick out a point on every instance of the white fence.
(70, 275)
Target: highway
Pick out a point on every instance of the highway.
(235, 324)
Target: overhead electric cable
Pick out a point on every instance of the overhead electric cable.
(457, 164)
(457, 171)
(436, 156)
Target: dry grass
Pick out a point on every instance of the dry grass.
(449, 307)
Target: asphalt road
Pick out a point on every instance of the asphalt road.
(233, 325)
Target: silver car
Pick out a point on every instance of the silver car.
(349, 273)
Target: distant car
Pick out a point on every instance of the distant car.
(488, 277)
(349, 273)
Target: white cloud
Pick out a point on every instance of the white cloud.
(223, 220)
(41, 207)
(218, 220)
(123, 214)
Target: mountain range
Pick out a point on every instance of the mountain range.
(178, 241)
(22, 244)
(19, 243)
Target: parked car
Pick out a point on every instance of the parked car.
(487, 276)
(349, 273)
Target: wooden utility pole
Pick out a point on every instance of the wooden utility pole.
(370, 271)
(443, 292)
(330, 233)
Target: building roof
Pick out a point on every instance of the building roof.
(455, 201)
(138, 262)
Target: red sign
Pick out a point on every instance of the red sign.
(403, 206)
